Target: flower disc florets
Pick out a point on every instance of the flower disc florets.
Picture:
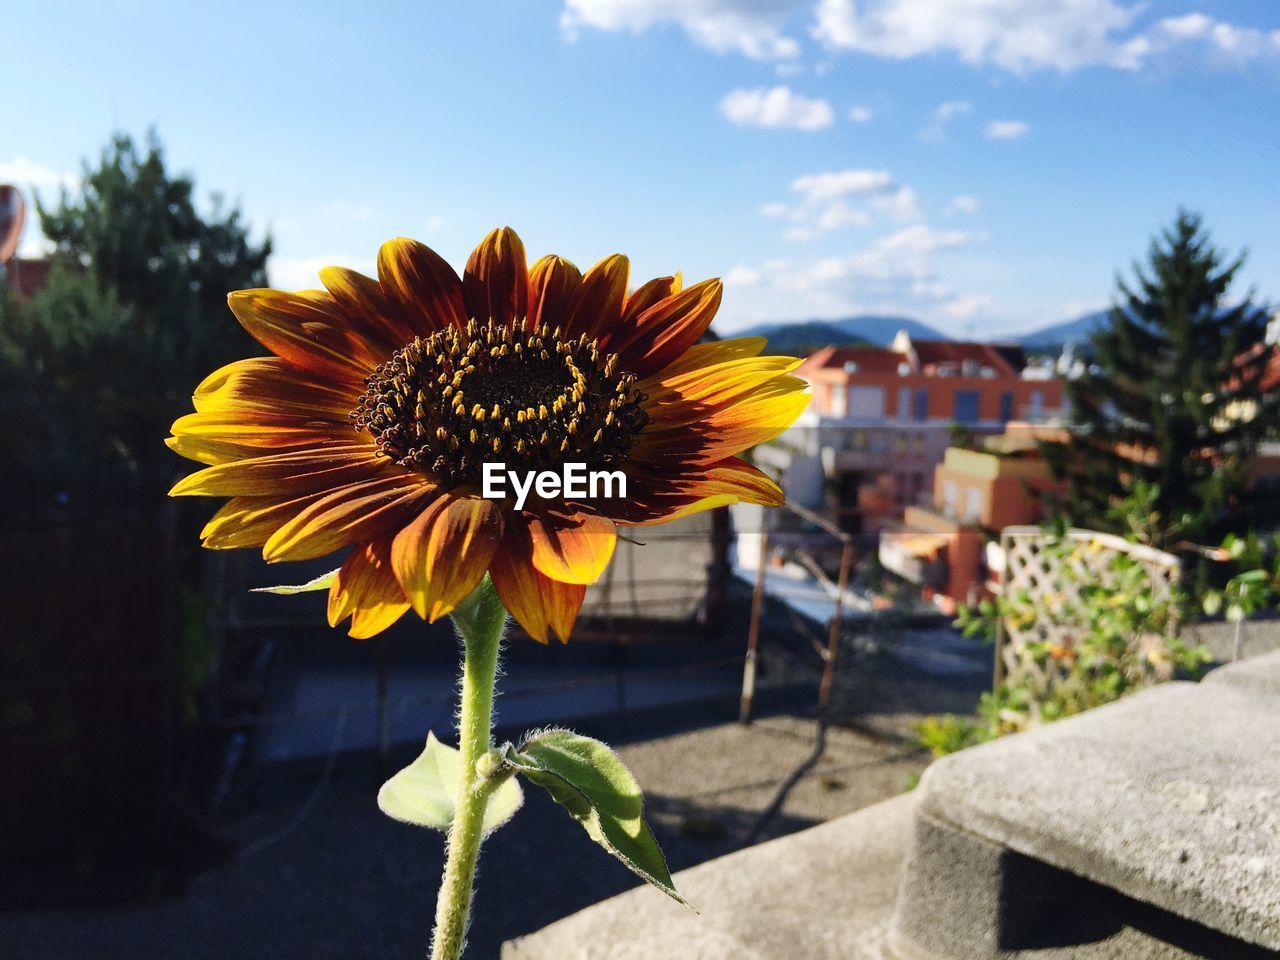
(447, 403)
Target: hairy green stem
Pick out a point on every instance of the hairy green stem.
(480, 620)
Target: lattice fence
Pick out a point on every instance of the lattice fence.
(1049, 579)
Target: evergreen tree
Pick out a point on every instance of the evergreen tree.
(134, 316)
(1172, 405)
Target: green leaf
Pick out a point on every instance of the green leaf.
(423, 792)
(591, 782)
(322, 582)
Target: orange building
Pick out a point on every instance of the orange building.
(882, 419)
(975, 493)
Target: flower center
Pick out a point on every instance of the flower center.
(448, 403)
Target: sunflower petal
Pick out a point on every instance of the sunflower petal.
(305, 328)
(368, 307)
(553, 282)
(422, 286)
(597, 304)
(272, 385)
(537, 602)
(360, 511)
(572, 550)
(281, 474)
(250, 429)
(690, 397)
(367, 591)
(646, 295)
(442, 555)
(495, 284)
(250, 521)
(668, 328)
(709, 354)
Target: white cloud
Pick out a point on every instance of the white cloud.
(1007, 129)
(964, 204)
(943, 115)
(921, 239)
(742, 276)
(901, 205)
(833, 185)
(1018, 35)
(25, 172)
(1023, 36)
(1217, 41)
(750, 27)
(861, 114)
(896, 273)
(963, 307)
(303, 273)
(776, 108)
(950, 109)
(435, 222)
(836, 199)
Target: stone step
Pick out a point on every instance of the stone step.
(808, 895)
(1170, 797)
(1148, 829)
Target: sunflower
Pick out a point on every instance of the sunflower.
(370, 424)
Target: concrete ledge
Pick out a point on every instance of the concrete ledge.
(1259, 675)
(1171, 797)
(817, 894)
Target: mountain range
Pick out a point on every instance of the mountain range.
(878, 330)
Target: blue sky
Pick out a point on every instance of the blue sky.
(983, 165)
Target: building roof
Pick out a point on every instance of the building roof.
(1007, 359)
(924, 356)
(25, 277)
(868, 359)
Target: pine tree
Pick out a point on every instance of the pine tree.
(134, 315)
(1172, 407)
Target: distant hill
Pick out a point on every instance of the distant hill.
(1060, 334)
(806, 336)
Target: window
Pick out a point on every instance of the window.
(972, 504)
(1037, 400)
(917, 444)
(1006, 406)
(837, 401)
(866, 402)
(949, 497)
(904, 403)
(966, 406)
(921, 411)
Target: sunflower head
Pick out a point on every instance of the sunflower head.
(370, 426)
(457, 399)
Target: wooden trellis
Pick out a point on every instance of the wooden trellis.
(1051, 581)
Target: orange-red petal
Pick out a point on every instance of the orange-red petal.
(442, 555)
(597, 304)
(359, 511)
(366, 590)
(251, 429)
(292, 473)
(495, 284)
(421, 285)
(272, 385)
(307, 329)
(572, 549)
(646, 295)
(380, 320)
(538, 603)
(553, 282)
(250, 521)
(668, 328)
